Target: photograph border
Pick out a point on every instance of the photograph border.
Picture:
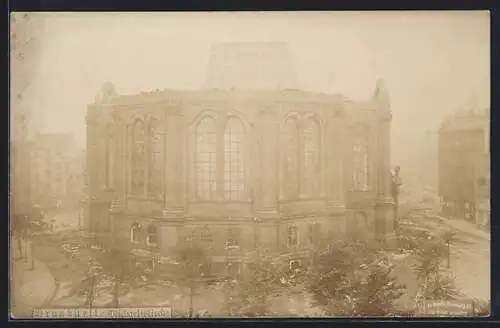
(158, 5)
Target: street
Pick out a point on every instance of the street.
(470, 254)
(470, 261)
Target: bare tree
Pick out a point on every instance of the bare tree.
(191, 270)
(112, 268)
(25, 226)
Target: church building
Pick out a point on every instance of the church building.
(249, 164)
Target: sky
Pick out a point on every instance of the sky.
(433, 63)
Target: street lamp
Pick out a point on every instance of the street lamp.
(175, 299)
(395, 188)
(448, 238)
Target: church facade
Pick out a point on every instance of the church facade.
(239, 171)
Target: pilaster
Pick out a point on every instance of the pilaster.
(120, 159)
(384, 204)
(335, 159)
(267, 135)
(175, 152)
(92, 153)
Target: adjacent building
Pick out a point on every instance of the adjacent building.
(464, 155)
(57, 171)
(19, 182)
(240, 169)
(429, 162)
(483, 209)
(25, 37)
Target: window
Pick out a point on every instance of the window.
(292, 236)
(233, 238)
(234, 184)
(206, 235)
(310, 177)
(290, 159)
(155, 162)
(189, 235)
(210, 151)
(152, 238)
(109, 156)
(360, 164)
(206, 159)
(135, 230)
(137, 158)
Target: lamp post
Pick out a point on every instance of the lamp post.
(448, 238)
(175, 299)
(395, 186)
(256, 233)
(32, 251)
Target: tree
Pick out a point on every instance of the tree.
(112, 268)
(24, 226)
(250, 295)
(429, 258)
(353, 278)
(192, 268)
(481, 307)
(88, 286)
(437, 285)
(377, 290)
(329, 278)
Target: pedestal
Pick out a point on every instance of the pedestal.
(384, 222)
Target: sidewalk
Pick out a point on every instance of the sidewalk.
(30, 288)
(467, 227)
(33, 288)
(470, 261)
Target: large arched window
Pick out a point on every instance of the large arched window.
(154, 158)
(290, 181)
(311, 171)
(234, 173)
(206, 159)
(360, 163)
(109, 157)
(137, 159)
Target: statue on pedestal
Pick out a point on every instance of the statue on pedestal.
(396, 184)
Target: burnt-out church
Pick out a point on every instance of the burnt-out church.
(248, 163)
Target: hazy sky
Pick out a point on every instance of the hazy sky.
(432, 62)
